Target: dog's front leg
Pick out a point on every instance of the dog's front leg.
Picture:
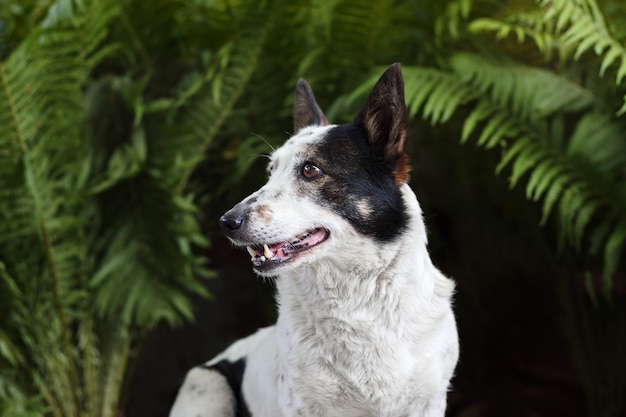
(205, 393)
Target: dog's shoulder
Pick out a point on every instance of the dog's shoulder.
(216, 388)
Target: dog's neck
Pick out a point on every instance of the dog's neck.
(358, 319)
(369, 284)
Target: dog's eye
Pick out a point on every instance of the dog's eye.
(311, 171)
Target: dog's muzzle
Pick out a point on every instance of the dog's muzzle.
(266, 256)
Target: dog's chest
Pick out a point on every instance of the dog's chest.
(332, 367)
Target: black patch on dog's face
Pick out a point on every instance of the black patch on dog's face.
(356, 184)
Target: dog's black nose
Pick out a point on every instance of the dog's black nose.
(230, 223)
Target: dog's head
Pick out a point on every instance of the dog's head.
(332, 189)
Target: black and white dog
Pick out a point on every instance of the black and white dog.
(365, 324)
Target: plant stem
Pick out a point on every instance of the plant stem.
(67, 340)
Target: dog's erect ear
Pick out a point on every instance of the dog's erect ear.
(384, 121)
(306, 112)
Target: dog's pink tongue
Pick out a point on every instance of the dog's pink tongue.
(311, 239)
(278, 246)
(278, 250)
(314, 238)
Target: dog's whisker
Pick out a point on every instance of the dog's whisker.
(264, 140)
(262, 155)
(258, 155)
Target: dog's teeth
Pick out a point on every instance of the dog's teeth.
(262, 258)
(251, 251)
(267, 252)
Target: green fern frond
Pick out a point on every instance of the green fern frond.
(581, 28)
(42, 120)
(144, 273)
(450, 21)
(559, 184)
(528, 91)
(207, 112)
(598, 141)
(436, 93)
(570, 185)
(521, 108)
(574, 199)
(528, 158)
(520, 24)
(40, 158)
(358, 26)
(569, 181)
(49, 236)
(612, 253)
(498, 128)
(571, 28)
(540, 179)
(139, 260)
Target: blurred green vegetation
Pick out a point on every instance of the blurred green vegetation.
(120, 118)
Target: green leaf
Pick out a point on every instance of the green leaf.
(583, 219)
(613, 252)
(527, 159)
(599, 140)
(538, 175)
(552, 194)
(480, 113)
(437, 93)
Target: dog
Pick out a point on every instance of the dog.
(365, 324)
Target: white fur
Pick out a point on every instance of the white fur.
(206, 393)
(364, 328)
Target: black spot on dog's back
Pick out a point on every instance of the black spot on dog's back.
(233, 372)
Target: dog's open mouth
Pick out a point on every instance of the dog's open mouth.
(269, 256)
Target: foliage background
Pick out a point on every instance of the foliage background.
(127, 127)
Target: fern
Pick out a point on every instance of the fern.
(355, 33)
(578, 176)
(39, 175)
(571, 28)
(452, 18)
(584, 30)
(237, 62)
(97, 230)
(177, 130)
(438, 94)
(519, 103)
(549, 123)
(522, 25)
